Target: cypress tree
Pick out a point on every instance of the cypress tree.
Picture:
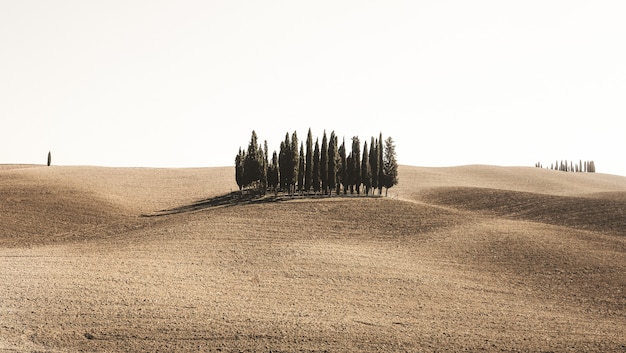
(356, 155)
(316, 167)
(252, 163)
(285, 164)
(49, 158)
(342, 174)
(308, 179)
(239, 172)
(332, 162)
(374, 163)
(272, 173)
(301, 169)
(390, 165)
(295, 161)
(264, 166)
(350, 172)
(366, 171)
(281, 165)
(380, 171)
(324, 164)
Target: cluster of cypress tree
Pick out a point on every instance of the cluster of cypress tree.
(564, 166)
(316, 168)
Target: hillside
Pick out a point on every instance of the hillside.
(463, 258)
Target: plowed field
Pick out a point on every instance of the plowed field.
(473, 258)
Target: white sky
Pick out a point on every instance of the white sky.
(183, 83)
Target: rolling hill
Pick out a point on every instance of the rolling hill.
(462, 258)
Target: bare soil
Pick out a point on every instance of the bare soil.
(472, 258)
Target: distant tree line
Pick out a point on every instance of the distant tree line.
(565, 166)
(310, 167)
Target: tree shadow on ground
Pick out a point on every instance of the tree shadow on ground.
(231, 199)
(246, 197)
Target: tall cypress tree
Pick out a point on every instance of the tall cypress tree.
(324, 164)
(381, 176)
(316, 167)
(374, 162)
(285, 163)
(295, 161)
(366, 171)
(356, 155)
(332, 162)
(272, 173)
(301, 169)
(350, 172)
(264, 167)
(239, 172)
(342, 174)
(308, 179)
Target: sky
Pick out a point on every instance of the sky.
(154, 83)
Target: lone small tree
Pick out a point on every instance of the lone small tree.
(49, 158)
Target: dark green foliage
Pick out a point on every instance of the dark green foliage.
(294, 155)
(565, 166)
(342, 173)
(333, 157)
(324, 168)
(264, 167)
(380, 171)
(373, 157)
(324, 164)
(49, 158)
(308, 179)
(253, 163)
(350, 173)
(356, 159)
(239, 172)
(251, 166)
(301, 168)
(390, 165)
(316, 167)
(272, 173)
(366, 171)
(285, 163)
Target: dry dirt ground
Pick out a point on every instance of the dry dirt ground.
(473, 258)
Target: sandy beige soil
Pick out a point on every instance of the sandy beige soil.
(474, 258)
